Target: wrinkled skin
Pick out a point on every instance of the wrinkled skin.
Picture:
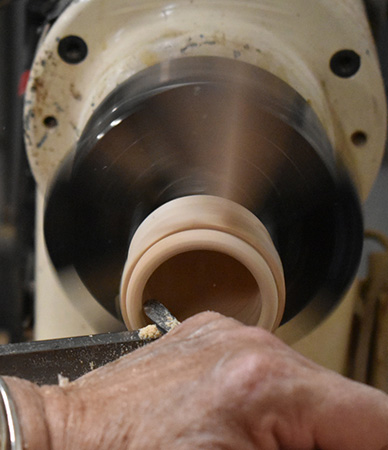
(211, 383)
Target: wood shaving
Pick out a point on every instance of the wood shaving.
(149, 332)
(172, 323)
(62, 381)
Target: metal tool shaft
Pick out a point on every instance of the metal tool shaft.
(42, 361)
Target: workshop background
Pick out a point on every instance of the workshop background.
(22, 23)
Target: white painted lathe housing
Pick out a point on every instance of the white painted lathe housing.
(295, 41)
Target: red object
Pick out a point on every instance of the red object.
(23, 82)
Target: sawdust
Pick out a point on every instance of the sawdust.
(62, 381)
(149, 332)
(172, 323)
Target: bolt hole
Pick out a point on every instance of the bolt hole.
(359, 138)
(345, 63)
(50, 122)
(72, 49)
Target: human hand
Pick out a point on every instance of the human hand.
(211, 383)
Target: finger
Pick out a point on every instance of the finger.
(203, 323)
(180, 342)
(296, 402)
(352, 416)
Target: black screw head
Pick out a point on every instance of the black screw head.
(50, 122)
(345, 63)
(72, 49)
(359, 138)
